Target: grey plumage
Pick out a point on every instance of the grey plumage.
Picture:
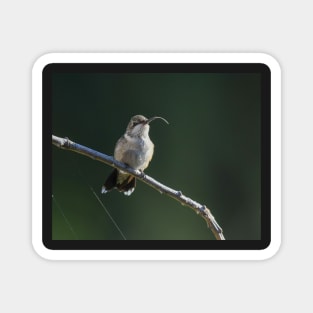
(135, 149)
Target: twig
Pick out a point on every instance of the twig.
(65, 143)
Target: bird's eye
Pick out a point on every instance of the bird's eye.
(137, 123)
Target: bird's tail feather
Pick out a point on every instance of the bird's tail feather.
(125, 184)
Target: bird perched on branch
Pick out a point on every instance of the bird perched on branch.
(135, 149)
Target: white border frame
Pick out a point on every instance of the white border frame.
(156, 58)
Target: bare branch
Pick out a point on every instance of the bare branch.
(65, 143)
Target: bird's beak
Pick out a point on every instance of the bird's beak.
(156, 117)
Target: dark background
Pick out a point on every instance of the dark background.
(210, 151)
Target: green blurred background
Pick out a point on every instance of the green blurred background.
(210, 151)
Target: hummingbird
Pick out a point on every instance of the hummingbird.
(135, 149)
